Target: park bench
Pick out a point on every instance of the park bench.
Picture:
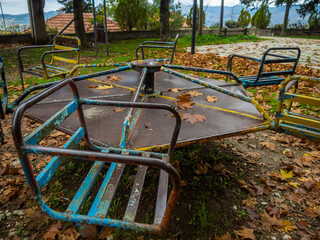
(270, 56)
(300, 124)
(50, 70)
(107, 159)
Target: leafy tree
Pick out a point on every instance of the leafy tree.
(314, 20)
(176, 20)
(261, 19)
(244, 18)
(308, 6)
(130, 14)
(287, 3)
(231, 24)
(68, 5)
(189, 18)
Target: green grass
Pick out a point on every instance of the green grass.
(216, 39)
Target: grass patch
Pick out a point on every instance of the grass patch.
(214, 39)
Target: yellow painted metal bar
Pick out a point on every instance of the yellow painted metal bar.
(60, 47)
(62, 59)
(302, 99)
(112, 84)
(163, 147)
(217, 108)
(300, 120)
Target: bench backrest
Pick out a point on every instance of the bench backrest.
(76, 49)
(277, 58)
(158, 44)
(298, 123)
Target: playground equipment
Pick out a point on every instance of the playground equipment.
(49, 70)
(272, 55)
(127, 119)
(4, 101)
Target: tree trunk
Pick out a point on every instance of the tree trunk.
(164, 20)
(286, 17)
(200, 17)
(78, 22)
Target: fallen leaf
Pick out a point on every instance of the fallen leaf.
(294, 184)
(245, 233)
(276, 176)
(184, 101)
(288, 226)
(92, 86)
(252, 213)
(113, 78)
(174, 89)
(193, 118)
(118, 109)
(105, 233)
(147, 125)
(102, 87)
(286, 174)
(253, 155)
(212, 98)
(302, 224)
(309, 212)
(268, 145)
(250, 203)
(268, 222)
(194, 93)
(52, 231)
(227, 236)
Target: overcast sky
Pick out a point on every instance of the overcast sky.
(20, 6)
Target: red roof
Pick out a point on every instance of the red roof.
(62, 19)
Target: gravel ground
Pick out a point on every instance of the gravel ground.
(310, 55)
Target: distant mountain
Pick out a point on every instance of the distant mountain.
(277, 14)
(22, 19)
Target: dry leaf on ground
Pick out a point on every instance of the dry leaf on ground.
(184, 101)
(245, 233)
(268, 145)
(268, 222)
(118, 109)
(193, 118)
(174, 89)
(212, 98)
(194, 93)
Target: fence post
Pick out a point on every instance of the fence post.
(225, 32)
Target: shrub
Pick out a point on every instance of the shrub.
(231, 24)
(244, 18)
(261, 19)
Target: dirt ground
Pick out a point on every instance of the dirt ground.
(234, 190)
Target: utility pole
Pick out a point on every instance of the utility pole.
(221, 14)
(4, 22)
(37, 23)
(194, 23)
(200, 17)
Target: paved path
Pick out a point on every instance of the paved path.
(310, 49)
